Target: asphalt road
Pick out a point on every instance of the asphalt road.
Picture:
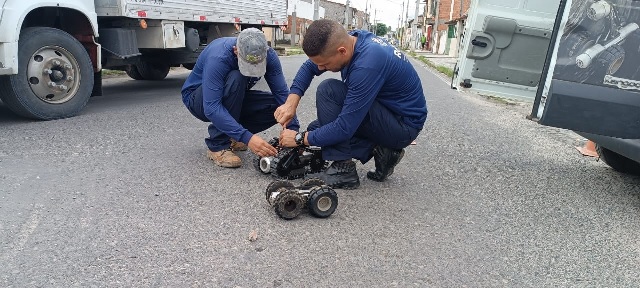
(123, 196)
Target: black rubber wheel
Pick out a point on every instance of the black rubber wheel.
(153, 71)
(322, 202)
(312, 182)
(288, 205)
(572, 46)
(55, 76)
(189, 65)
(611, 60)
(617, 161)
(133, 72)
(275, 185)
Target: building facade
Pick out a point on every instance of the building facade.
(303, 9)
(444, 24)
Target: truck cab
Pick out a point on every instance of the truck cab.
(578, 60)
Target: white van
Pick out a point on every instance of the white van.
(579, 60)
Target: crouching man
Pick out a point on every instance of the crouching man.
(218, 91)
(376, 111)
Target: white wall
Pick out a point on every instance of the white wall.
(304, 9)
(442, 45)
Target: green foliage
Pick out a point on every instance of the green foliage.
(381, 29)
(293, 51)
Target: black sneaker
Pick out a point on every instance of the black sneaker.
(340, 174)
(386, 159)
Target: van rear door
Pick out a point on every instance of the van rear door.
(593, 80)
(504, 47)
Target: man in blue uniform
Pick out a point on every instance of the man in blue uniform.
(377, 109)
(218, 90)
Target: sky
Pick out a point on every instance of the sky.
(386, 11)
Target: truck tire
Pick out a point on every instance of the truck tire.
(617, 161)
(152, 71)
(132, 72)
(55, 76)
(189, 66)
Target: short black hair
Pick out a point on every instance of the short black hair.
(320, 35)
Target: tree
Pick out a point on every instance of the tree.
(381, 29)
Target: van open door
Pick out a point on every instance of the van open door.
(592, 76)
(504, 46)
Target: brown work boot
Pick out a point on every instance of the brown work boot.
(225, 158)
(238, 146)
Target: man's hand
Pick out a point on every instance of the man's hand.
(261, 148)
(284, 114)
(288, 138)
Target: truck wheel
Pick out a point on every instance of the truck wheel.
(288, 205)
(152, 71)
(55, 76)
(322, 202)
(617, 161)
(132, 71)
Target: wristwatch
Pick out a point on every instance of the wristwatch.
(300, 138)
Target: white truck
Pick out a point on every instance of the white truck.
(52, 52)
(579, 60)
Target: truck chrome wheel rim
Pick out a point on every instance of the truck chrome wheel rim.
(324, 203)
(53, 74)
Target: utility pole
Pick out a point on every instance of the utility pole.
(366, 17)
(435, 36)
(294, 27)
(414, 28)
(316, 10)
(398, 30)
(401, 36)
(375, 23)
(406, 21)
(346, 16)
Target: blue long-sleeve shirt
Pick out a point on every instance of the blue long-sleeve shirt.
(210, 71)
(377, 71)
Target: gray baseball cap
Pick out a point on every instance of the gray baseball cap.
(252, 52)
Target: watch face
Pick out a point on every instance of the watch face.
(298, 137)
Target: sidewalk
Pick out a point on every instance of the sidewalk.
(287, 50)
(438, 59)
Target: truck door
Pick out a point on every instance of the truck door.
(593, 80)
(504, 47)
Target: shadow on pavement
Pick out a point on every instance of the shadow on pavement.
(7, 116)
(120, 92)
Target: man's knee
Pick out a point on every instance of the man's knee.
(330, 88)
